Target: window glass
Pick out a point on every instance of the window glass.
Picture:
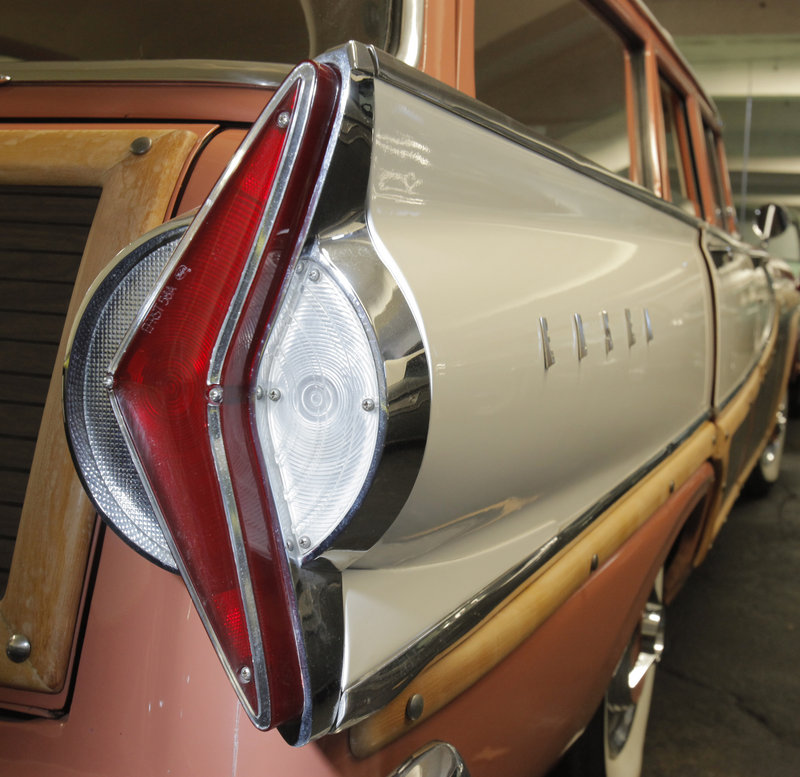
(680, 162)
(556, 67)
(267, 31)
(716, 177)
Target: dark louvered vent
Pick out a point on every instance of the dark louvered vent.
(43, 231)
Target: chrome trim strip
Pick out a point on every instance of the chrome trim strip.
(376, 689)
(193, 71)
(412, 33)
(259, 668)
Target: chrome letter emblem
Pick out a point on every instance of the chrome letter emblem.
(549, 356)
(580, 338)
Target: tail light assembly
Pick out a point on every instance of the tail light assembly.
(236, 397)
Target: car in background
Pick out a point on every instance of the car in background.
(420, 374)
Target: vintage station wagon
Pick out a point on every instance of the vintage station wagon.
(432, 365)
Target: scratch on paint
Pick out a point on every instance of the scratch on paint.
(236, 741)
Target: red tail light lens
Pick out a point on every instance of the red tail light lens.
(182, 389)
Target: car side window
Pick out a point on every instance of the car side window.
(717, 189)
(560, 70)
(681, 169)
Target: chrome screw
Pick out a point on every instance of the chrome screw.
(215, 394)
(259, 392)
(305, 543)
(283, 119)
(368, 405)
(141, 146)
(274, 394)
(108, 381)
(289, 545)
(313, 275)
(18, 648)
(301, 266)
(414, 707)
(245, 675)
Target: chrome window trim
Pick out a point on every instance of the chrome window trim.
(395, 73)
(412, 33)
(193, 71)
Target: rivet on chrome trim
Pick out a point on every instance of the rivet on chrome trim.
(141, 146)
(283, 119)
(648, 326)
(245, 675)
(108, 381)
(18, 648)
(580, 337)
(607, 332)
(549, 356)
(415, 706)
(629, 323)
(215, 394)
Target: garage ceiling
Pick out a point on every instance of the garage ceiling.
(747, 55)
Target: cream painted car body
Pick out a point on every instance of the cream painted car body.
(600, 372)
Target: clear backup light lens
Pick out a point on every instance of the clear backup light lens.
(320, 407)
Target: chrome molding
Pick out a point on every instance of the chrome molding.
(194, 71)
(412, 32)
(378, 688)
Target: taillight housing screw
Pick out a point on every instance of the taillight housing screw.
(259, 392)
(304, 543)
(368, 405)
(108, 381)
(283, 119)
(313, 275)
(215, 394)
(274, 394)
(245, 675)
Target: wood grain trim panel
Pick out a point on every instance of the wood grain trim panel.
(531, 605)
(50, 558)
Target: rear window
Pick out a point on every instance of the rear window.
(557, 68)
(264, 31)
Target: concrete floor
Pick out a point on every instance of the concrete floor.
(727, 698)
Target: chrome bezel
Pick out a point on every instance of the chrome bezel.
(306, 75)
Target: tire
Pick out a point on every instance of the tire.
(768, 468)
(613, 743)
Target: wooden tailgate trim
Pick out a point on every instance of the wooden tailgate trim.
(50, 558)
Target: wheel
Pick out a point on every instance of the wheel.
(626, 708)
(766, 471)
(613, 743)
